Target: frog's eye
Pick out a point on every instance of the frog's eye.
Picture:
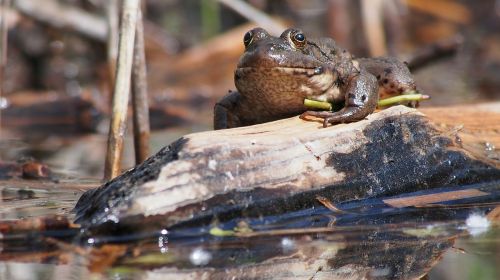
(299, 39)
(247, 39)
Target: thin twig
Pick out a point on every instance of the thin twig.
(140, 96)
(121, 89)
(248, 11)
(394, 100)
(112, 14)
(5, 4)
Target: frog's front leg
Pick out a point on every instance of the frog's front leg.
(225, 115)
(361, 97)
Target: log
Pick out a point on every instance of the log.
(283, 166)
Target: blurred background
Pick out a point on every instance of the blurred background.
(55, 102)
(56, 86)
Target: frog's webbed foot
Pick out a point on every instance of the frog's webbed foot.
(413, 104)
(348, 114)
(361, 100)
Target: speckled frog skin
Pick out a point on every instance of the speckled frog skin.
(276, 74)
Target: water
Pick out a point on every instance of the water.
(368, 238)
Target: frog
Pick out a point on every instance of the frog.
(275, 74)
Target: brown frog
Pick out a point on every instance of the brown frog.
(276, 74)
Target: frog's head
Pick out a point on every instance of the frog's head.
(286, 65)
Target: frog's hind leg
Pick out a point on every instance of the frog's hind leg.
(225, 112)
(361, 100)
(393, 76)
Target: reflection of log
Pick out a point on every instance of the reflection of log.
(327, 256)
(281, 166)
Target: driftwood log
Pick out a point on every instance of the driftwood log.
(283, 166)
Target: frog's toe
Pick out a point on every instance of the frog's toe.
(325, 122)
(413, 104)
(304, 115)
(333, 120)
(317, 114)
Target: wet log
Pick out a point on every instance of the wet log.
(283, 166)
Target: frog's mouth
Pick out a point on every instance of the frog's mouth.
(318, 83)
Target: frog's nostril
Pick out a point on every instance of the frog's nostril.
(236, 76)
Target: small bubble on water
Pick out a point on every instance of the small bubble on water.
(113, 218)
(163, 243)
(200, 257)
(477, 224)
(287, 244)
(489, 147)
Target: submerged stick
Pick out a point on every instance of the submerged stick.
(53, 222)
(140, 96)
(121, 89)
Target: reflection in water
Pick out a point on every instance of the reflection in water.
(366, 238)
